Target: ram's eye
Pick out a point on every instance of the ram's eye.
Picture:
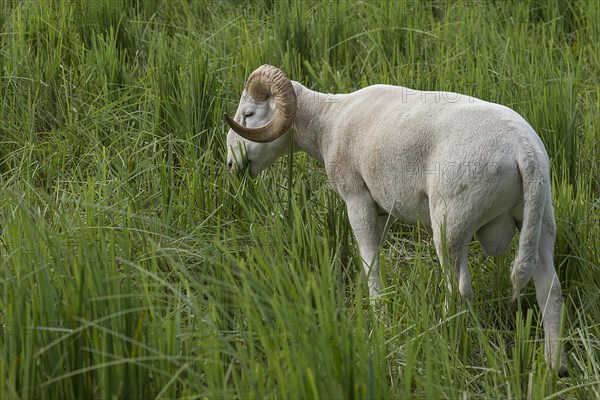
(248, 115)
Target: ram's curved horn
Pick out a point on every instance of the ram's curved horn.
(267, 81)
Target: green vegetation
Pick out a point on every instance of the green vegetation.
(133, 265)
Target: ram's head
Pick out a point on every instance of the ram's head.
(259, 132)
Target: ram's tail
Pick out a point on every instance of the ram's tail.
(534, 171)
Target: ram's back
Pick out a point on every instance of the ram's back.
(405, 144)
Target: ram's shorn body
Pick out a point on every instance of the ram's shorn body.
(458, 165)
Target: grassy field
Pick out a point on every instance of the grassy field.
(134, 266)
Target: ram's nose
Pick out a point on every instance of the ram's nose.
(234, 166)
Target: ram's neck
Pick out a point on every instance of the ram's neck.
(311, 121)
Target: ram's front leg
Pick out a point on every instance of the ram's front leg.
(362, 213)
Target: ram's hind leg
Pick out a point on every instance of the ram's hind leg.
(548, 293)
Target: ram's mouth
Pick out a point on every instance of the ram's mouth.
(237, 159)
(253, 169)
(244, 167)
(237, 168)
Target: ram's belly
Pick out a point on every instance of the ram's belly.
(404, 199)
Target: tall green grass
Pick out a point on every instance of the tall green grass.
(133, 265)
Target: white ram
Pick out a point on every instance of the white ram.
(456, 164)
